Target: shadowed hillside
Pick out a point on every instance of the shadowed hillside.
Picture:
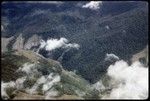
(120, 28)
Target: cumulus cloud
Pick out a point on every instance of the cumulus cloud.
(51, 80)
(128, 82)
(94, 5)
(46, 82)
(43, 82)
(19, 82)
(110, 57)
(80, 93)
(42, 44)
(33, 89)
(28, 68)
(16, 85)
(51, 93)
(73, 45)
(53, 44)
(4, 86)
(98, 86)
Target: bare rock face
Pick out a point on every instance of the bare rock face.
(18, 45)
(21, 44)
(141, 56)
(4, 43)
(68, 84)
(32, 41)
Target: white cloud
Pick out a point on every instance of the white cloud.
(50, 94)
(53, 44)
(5, 86)
(47, 82)
(94, 5)
(50, 82)
(80, 93)
(43, 83)
(42, 44)
(111, 56)
(128, 82)
(28, 68)
(73, 45)
(98, 86)
(19, 82)
(33, 89)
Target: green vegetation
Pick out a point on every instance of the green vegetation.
(10, 63)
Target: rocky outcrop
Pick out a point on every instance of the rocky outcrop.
(4, 43)
(67, 84)
(141, 56)
(117, 31)
(29, 44)
(18, 45)
(32, 41)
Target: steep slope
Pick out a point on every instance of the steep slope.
(122, 29)
(142, 56)
(32, 74)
